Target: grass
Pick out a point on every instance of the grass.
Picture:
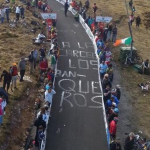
(130, 78)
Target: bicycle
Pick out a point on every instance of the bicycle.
(134, 59)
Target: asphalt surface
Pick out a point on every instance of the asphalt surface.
(77, 117)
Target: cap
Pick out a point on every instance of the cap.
(14, 64)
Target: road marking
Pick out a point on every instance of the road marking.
(80, 75)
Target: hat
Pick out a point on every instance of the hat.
(118, 86)
(14, 64)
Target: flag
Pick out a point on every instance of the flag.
(126, 41)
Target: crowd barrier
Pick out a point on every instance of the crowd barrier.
(91, 36)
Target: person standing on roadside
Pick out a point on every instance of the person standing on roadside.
(43, 66)
(31, 61)
(66, 7)
(17, 12)
(129, 142)
(7, 11)
(22, 68)
(7, 79)
(115, 144)
(114, 34)
(109, 32)
(94, 9)
(138, 21)
(113, 127)
(22, 12)
(118, 92)
(102, 67)
(14, 74)
(42, 53)
(2, 14)
(35, 57)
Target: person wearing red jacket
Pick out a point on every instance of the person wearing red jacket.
(43, 66)
(113, 127)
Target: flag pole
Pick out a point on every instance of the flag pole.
(130, 29)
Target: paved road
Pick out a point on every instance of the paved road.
(77, 118)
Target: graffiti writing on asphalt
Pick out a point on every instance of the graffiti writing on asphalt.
(77, 86)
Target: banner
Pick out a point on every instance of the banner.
(103, 19)
(49, 15)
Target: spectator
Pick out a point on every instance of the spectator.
(1, 114)
(44, 115)
(114, 114)
(109, 32)
(145, 66)
(48, 95)
(114, 34)
(87, 4)
(7, 79)
(41, 135)
(35, 57)
(31, 61)
(129, 142)
(113, 127)
(22, 12)
(14, 74)
(22, 68)
(43, 66)
(3, 93)
(133, 9)
(115, 144)
(109, 71)
(105, 34)
(107, 93)
(138, 21)
(4, 104)
(42, 53)
(102, 68)
(131, 19)
(38, 123)
(118, 92)
(94, 9)
(2, 14)
(130, 4)
(17, 12)
(53, 62)
(7, 10)
(106, 81)
(108, 55)
(66, 7)
(109, 103)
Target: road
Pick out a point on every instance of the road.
(77, 117)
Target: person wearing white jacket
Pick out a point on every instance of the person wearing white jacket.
(17, 13)
(48, 95)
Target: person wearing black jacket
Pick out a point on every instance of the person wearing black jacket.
(115, 144)
(66, 7)
(39, 122)
(7, 79)
(129, 142)
(118, 92)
